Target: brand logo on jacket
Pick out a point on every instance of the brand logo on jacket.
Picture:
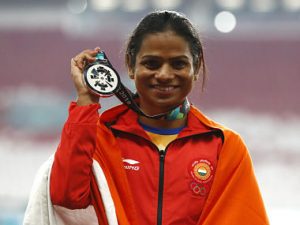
(130, 164)
(201, 171)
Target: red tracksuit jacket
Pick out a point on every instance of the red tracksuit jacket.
(169, 188)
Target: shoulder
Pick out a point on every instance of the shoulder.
(230, 136)
(113, 114)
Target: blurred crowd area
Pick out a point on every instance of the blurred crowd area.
(252, 54)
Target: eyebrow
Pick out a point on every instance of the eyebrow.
(158, 57)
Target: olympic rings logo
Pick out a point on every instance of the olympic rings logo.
(198, 189)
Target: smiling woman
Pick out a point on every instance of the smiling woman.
(121, 167)
(163, 73)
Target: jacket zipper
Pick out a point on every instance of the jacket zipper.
(162, 155)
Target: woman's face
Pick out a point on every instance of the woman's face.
(164, 73)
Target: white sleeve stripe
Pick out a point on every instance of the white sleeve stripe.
(108, 203)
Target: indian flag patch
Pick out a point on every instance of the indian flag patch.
(202, 170)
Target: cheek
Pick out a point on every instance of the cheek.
(139, 82)
(140, 75)
(190, 83)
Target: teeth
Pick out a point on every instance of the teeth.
(162, 88)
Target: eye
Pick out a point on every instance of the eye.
(179, 64)
(151, 64)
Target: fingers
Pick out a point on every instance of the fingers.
(97, 49)
(85, 57)
(78, 63)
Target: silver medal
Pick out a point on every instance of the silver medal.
(101, 79)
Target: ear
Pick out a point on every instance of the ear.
(196, 76)
(131, 73)
(130, 69)
(197, 70)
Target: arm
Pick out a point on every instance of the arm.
(71, 171)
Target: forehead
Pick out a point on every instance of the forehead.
(164, 43)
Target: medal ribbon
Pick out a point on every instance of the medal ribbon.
(130, 99)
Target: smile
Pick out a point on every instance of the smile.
(164, 88)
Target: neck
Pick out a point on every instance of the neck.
(163, 123)
(173, 119)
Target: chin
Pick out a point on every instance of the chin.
(167, 105)
(160, 104)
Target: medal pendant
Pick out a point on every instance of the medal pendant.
(101, 79)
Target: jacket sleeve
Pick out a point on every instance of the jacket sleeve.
(235, 197)
(71, 171)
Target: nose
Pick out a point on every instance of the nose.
(165, 73)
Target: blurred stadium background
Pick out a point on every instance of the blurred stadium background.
(252, 52)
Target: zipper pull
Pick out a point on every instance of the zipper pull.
(162, 154)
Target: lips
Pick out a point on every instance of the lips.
(164, 88)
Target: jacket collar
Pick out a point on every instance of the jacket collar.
(123, 119)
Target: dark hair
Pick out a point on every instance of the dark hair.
(160, 21)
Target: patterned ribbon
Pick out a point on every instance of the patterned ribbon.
(102, 79)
